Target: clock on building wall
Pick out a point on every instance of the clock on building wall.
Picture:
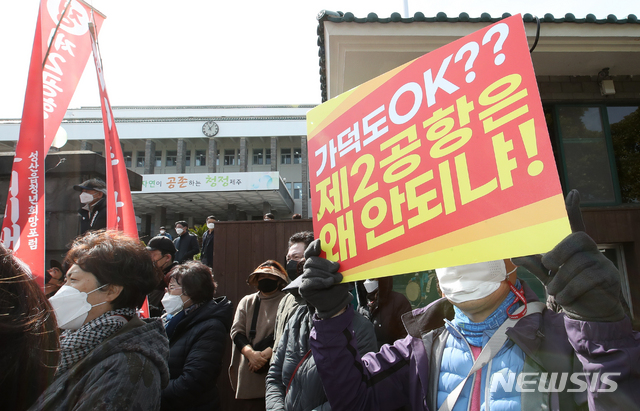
(210, 128)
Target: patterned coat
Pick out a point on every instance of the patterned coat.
(126, 372)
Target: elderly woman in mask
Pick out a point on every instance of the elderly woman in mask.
(110, 359)
(252, 334)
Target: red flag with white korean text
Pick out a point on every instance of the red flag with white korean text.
(120, 214)
(62, 43)
(24, 219)
(66, 48)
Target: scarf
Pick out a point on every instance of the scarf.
(173, 320)
(473, 332)
(77, 344)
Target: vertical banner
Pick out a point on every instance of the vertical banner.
(443, 161)
(66, 50)
(120, 213)
(24, 219)
(60, 52)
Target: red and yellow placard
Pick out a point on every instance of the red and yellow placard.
(443, 161)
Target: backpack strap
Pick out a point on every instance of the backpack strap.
(296, 370)
(254, 320)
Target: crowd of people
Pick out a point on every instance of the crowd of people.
(305, 340)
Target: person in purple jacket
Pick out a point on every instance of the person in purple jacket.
(489, 344)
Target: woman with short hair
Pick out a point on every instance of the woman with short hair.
(110, 359)
(197, 330)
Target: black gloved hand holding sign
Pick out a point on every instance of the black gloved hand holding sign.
(580, 278)
(320, 283)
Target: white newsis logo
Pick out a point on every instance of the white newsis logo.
(554, 382)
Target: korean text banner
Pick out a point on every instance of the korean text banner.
(66, 48)
(443, 161)
(24, 217)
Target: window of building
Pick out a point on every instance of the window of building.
(289, 187)
(229, 157)
(201, 157)
(258, 156)
(267, 156)
(140, 159)
(297, 191)
(297, 156)
(217, 157)
(624, 123)
(285, 156)
(172, 157)
(159, 158)
(187, 160)
(127, 158)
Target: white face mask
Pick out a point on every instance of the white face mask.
(86, 198)
(179, 231)
(210, 226)
(161, 231)
(172, 303)
(371, 285)
(71, 307)
(472, 281)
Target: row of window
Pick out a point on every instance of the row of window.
(261, 156)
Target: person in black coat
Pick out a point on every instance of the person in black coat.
(186, 243)
(198, 329)
(93, 196)
(206, 255)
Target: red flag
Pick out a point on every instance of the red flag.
(61, 42)
(143, 312)
(66, 47)
(24, 220)
(120, 214)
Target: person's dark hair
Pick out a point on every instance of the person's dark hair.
(211, 217)
(296, 217)
(28, 335)
(114, 258)
(305, 237)
(182, 223)
(269, 215)
(196, 280)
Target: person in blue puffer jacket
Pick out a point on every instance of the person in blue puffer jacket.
(531, 358)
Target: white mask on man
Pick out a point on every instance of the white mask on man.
(210, 226)
(86, 198)
(162, 231)
(71, 306)
(472, 281)
(179, 231)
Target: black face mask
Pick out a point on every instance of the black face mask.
(266, 285)
(294, 269)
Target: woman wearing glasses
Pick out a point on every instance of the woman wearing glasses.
(197, 326)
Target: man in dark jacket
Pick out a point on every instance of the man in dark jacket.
(293, 382)
(384, 308)
(206, 255)
(186, 243)
(93, 214)
(162, 253)
(589, 352)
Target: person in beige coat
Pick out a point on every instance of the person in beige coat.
(252, 334)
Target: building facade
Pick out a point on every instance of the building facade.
(234, 162)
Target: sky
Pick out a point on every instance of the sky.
(215, 52)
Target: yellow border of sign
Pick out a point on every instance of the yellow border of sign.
(503, 236)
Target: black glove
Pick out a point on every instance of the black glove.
(577, 275)
(320, 283)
